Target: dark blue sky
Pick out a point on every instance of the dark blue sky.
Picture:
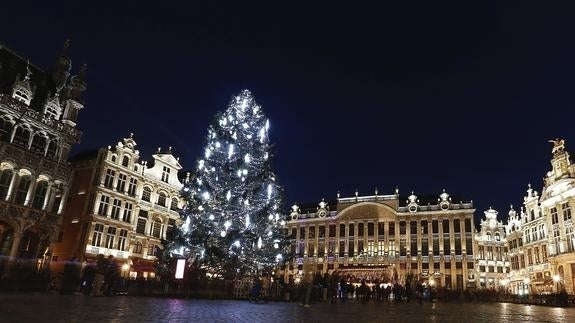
(459, 95)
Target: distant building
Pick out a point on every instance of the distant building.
(38, 111)
(377, 239)
(121, 206)
(492, 261)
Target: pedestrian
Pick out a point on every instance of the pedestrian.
(101, 269)
(111, 277)
(71, 277)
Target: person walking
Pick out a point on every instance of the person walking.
(101, 269)
(111, 277)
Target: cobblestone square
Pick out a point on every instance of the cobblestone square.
(78, 308)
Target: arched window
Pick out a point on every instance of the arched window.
(22, 190)
(162, 199)
(113, 158)
(125, 161)
(174, 204)
(488, 236)
(52, 150)
(21, 137)
(38, 143)
(5, 179)
(5, 129)
(497, 237)
(40, 194)
(146, 194)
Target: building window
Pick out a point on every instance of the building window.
(342, 230)
(97, 235)
(109, 179)
(392, 228)
(392, 247)
(360, 230)
(157, 229)
(174, 204)
(5, 180)
(125, 161)
(445, 226)
(116, 206)
(146, 194)
(402, 227)
(554, 218)
(138, 248)
(22, 190)
(170, 229)
(566, 211)
(132, 186)
(40, 194)
(162, 199)
(21, 137)
(127, 216)
(110, 237)
(122, 239)
(141, 227)
(165, 174)
(103, 207)
(39, 144)
(52, 149)
(5, 129)
(351, 229)
(121, 186)
(413, 227)
(380, 229)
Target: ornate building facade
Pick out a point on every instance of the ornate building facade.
(121, 206)
(38, 111)
(492, 260)
(378, 239)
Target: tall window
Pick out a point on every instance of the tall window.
(127, 216)
(138, 248)
(132, 186)
(566, 211)
(109, 179)
(21, 137)
(146, 194)
(22, 190)
(142, 219)
(174, 204)
(97, 235)
(165, 174)
(52, 149)
(554, 218)
(157, 229)
(104, 202)
(170, 229)
(125, 161)
(39, 143)
(121, 186)
(40, 194)
(5, 129)
(116, 206)
(122, 239)
(5, 179)
(162, 199)
(110, 237)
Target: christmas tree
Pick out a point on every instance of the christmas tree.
(232, 221)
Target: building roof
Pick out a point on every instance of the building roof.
(85, 155)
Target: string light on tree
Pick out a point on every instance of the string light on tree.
(231, 218)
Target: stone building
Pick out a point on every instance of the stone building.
(377, 238)
(492, 261)
(121, 206)
(38, 111)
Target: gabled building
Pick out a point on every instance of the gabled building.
(38, 112)
(121, 206)
(492, 261)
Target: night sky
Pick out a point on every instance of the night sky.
(423, 96)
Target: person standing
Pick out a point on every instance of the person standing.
(111, 277)
(101, 269)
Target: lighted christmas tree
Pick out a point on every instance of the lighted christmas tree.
(232, 215)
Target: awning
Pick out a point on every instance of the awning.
(144, 266)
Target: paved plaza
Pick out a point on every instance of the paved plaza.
(78, 308)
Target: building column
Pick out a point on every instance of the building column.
(15, 245)
(65, 191)
(47, 196)
(31, 190)
(13, 182)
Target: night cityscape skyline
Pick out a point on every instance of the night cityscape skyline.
(461, 97)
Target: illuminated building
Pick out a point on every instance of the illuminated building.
(378, 239)
(121, 206)
(38, 111)
(492, 262)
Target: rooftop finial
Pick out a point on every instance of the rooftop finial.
(131, 135)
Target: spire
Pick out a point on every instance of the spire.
(62, 67)
(78, 84)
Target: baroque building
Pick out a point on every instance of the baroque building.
(492, 261)
(38, 111)
(379, 239)
(121, 206)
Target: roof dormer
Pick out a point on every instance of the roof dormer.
(22, 90)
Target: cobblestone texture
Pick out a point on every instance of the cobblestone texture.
(78, 308)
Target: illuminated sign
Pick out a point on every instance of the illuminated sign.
(180, 268)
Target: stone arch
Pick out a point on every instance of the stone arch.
(368, 210)
(22, 135)
(39, 142)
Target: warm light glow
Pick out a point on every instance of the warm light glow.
(526, 280)
(180, 268)
(556, 278)
(125, 267)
